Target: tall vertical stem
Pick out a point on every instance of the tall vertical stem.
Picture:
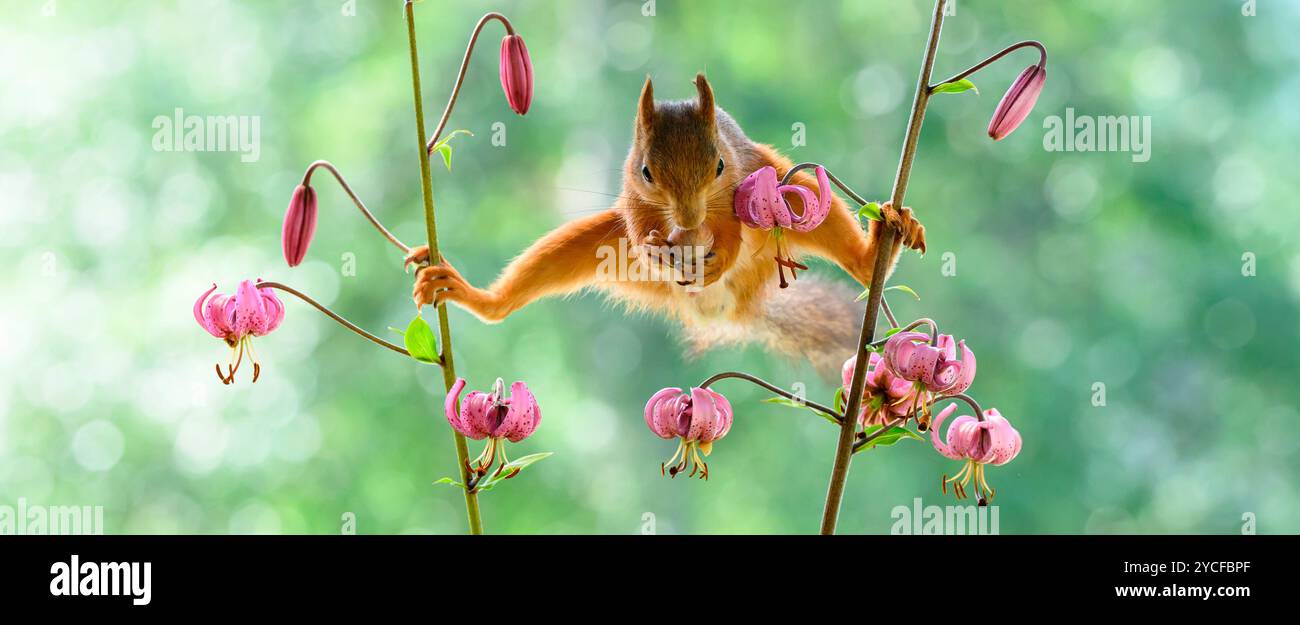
(444, 330)
(884, 247)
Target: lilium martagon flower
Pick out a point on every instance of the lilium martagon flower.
(236, 319)
(696, 419)
(497, 417)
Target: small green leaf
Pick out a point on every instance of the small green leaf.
(450, 482)
(957, 86)
(497, 477)
(870, 211)
(838, 401)
(445, 151)
(420, 341)
(891, 332)
(790, 403)
(904, 288)
(889, 438)
(443, 146)
(785, 401)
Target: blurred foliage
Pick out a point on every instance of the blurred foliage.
(1072, 268)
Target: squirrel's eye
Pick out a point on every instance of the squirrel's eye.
(645, 173)
(721, 166)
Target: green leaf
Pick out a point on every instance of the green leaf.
(450, 482)
(889, 438)
(420, 341)
(785, 401)
(870, 211)
(838, 401)
(790, 403)
(443, 146)
(957, 86)
(891, 332)
(491, 481)
(904, 288)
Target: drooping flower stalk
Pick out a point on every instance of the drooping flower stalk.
(431, 228)
(298, 245)
(517, 82)
(333, 315)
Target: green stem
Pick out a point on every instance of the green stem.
(884, 245)
(444, 330)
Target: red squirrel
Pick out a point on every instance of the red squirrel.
(686, 160)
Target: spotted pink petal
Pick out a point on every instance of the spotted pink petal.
(1004, 440)
(201, 316)
(944, 448)
(274, 309)
(249, 313)
(725, 414)
(816, 206)
(658, 410)
(757, 201)
(522, 416)
(479, 414)
(449, 407)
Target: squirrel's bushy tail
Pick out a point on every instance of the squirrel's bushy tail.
(815, 319)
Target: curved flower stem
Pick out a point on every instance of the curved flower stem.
(884, 245)
(860, 445)
(775, 389)
(306, 180)
(889, 314)
(925, 321)
(843, 187)
(332, 315)
(431, 227)
(460, 76)
(1042, 62)
(979, 412)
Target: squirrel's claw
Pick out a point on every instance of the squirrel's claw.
(417, 257)
(911, 232)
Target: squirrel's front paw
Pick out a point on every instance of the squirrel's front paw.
(440, 283)
(911, 232)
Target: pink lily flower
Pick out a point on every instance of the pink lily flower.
(760, 203)
(495, 416)
(236, 319)
(516, 73)
(886, 396)
(697, 419)
(910, 355)
(978, 443)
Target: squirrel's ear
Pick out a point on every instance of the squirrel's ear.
(706, 97)
(645, 112)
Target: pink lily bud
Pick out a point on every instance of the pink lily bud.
(978, 443)
(236, 319)
(495, 416)
(1018, 101)
(697, 419)
(299, 224)
(516, 73)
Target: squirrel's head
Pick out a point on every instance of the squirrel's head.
(679, 162)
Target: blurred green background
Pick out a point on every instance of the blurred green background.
(1071, 268)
